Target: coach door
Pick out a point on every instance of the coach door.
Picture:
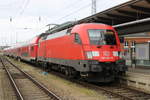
(42, 48)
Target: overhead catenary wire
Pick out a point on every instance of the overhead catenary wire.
(8, 4)
(69, 8)
(19, 9)
(22, 8)
(73, 4)
(26, 4)
(73, 12)
(70, 14)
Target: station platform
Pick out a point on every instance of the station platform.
(137, 78)
(140, 70)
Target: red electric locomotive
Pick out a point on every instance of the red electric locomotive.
(90, 51)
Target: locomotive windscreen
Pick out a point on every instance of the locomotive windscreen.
(102, 37)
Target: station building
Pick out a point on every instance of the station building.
(142, 48)
(132, 21)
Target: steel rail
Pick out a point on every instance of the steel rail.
(105, 89)
(93, 86)
(19, 95)
(50, 93)
(114, 93)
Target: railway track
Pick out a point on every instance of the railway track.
(25, 86)
(114, 91)
(6, 89)
(125, 93)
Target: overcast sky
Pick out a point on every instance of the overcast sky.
(29, 17)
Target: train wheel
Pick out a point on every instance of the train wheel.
(73, 73)
(122, 73)
(66, 72)
(70, 72)
(49, 67)
(19, 59)
(45, 66)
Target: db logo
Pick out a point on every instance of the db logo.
(106, 53)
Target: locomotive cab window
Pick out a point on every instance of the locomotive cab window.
(102, 37)
(77, 38)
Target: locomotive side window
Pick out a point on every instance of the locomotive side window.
(102, 37)
(32, 48)
(77, 38)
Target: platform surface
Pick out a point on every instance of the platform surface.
(138, 78)
(140, 70)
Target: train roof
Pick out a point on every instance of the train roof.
(25, 43)
(61, 27)
(66, 25)
(89, 24)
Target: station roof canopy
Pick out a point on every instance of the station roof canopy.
(127, 18)
(132, 10)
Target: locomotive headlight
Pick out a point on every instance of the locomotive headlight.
(121, 55)
(89, 55)
(95, 53)
(115, 53)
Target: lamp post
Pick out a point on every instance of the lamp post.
(133, 55)
(149, 49)
(17, 35)
(126, 49)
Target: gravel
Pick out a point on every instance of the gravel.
(63, 88)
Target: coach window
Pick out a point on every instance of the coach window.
(77, 38)
(32, 48)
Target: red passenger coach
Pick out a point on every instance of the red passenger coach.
(90, 51)
(24, 51)
(28, 51)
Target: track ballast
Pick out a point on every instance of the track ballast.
(25, 86)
